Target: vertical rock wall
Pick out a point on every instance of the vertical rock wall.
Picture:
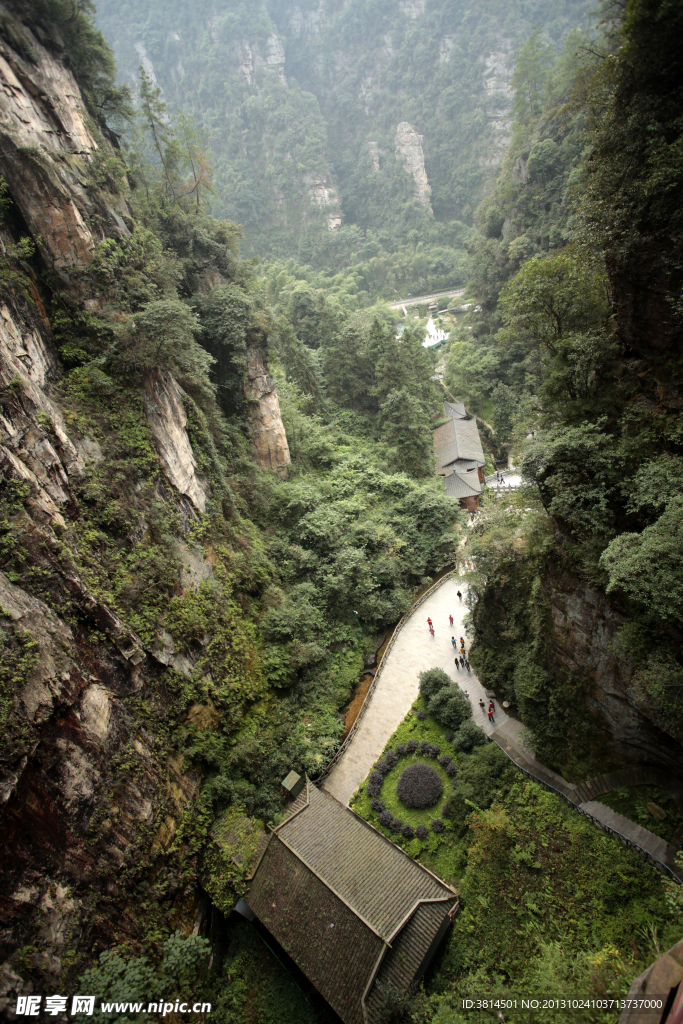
(271, 450)
(408, 149)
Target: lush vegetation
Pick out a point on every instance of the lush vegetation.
(549, 904)
(301, 106)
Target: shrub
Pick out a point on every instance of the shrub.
(396, 825)
(421, 831)
(382, 767)
(450, 706)
(425, 747)
(375, 784)
(407, 832)
(451, 769)
(421, 715)
(436, 749)
(445, 759)
(419, 786)
(437, 825)
(385, 818)
(411, 746)
(469, 735)
(391, 758)
(432, 681)
(449, 735)
(377, 805)
(402, 749)
(446, 811)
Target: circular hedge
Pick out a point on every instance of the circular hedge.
(419, 786)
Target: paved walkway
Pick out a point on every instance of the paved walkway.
(414, 650)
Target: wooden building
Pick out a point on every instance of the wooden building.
(355, 912)
(460, 456)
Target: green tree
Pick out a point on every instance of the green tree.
(450, 706)
(530, 75)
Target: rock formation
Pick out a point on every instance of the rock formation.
(408, 149)
(270, 441)
(45, 148)
(167, 420)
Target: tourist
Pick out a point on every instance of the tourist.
(450, 619)
(453, 641)
(482, 706)
(456, 665)
(491, 718)
(467, 664)
(429, 623)
(466, 692)
(462, 661)
(459, 596)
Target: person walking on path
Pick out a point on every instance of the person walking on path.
(459, 596)
(431, 630)
(429, 622)
(462, 661)
(453, 641)
(482, 706)
(457, 667)
(467, 664)
(450, 619)
(491, 718)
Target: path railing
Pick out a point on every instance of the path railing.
(624, 840)
(371, 689)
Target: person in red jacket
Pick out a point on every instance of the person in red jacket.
(450, 619)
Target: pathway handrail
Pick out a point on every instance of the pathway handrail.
(378, 673)
(625, 840)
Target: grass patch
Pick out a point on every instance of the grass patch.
(631, 801)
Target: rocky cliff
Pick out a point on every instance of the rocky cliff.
(408, 148)
(101, 502)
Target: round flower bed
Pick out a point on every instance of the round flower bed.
(419, 786)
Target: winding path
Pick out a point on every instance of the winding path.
(413, 650)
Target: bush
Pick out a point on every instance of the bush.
(468, 736)
(411, 746)
(451, 769)
(391, 758)
(385, 818)
(377, 805)
(425, 747)
(445, 760)
(401, 749)
(421, 831)
(396, 825)
(421, 715)
(383, 768)
(437, 825)
(419, 786)
(432, 681)
(449, 735)
(436, 749)
(374, 784)
(407, 832)
(450, 706)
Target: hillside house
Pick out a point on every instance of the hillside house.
(355, 913)
(460, 456)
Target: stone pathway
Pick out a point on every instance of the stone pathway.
(413, 651)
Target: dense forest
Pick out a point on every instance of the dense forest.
(217, 477)
(301, 106)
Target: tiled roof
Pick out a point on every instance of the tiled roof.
(405, 961)
(457, 440)
(343, 900)
(463, 484)
(330, 944)
(456, 410)
(373, 876)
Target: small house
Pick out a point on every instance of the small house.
(460, 456)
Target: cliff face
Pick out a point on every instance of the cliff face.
(46, 148)
(270, 441)
(93, 788)
(585, 641)
(408, 147)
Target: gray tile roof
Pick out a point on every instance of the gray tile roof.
(463, 484)
(326, 867)
(457, 440)
(330, 944)
(373, 876)
(455, 410)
